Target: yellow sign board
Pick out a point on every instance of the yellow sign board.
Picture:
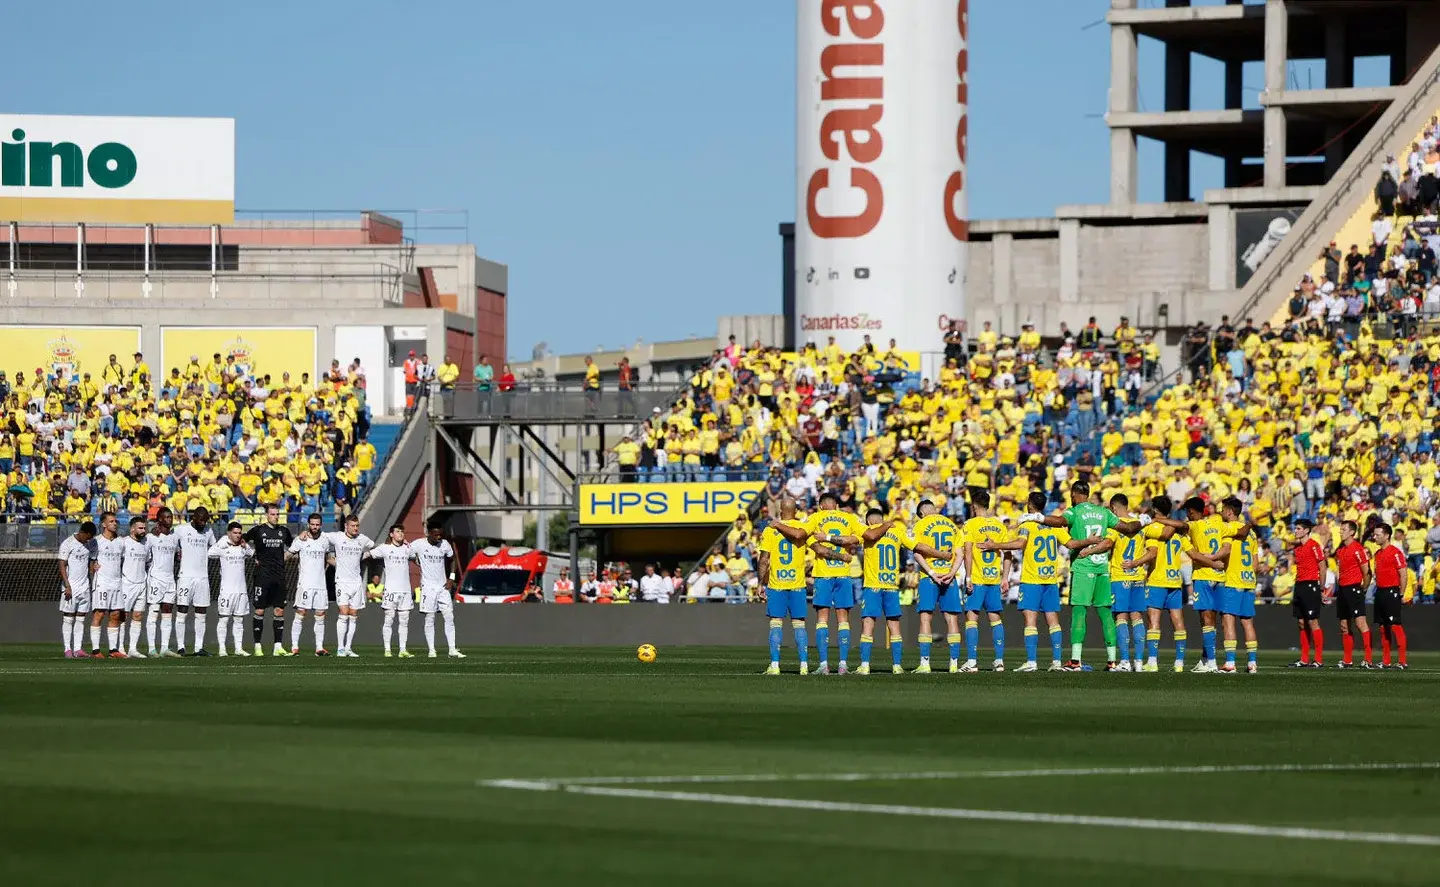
(660, 504)
(908, 359)
(66, 352)
(265, 351)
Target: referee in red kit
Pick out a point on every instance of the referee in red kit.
(1305, 603)
(1391, 577)
(1352, 562)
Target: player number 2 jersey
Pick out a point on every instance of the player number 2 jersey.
(823, 525)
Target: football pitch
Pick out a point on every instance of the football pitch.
(583, 766)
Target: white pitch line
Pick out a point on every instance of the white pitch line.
(1116, 822)
(730, 778)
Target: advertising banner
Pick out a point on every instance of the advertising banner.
(66, 352)
(662, 504)
(266, 351)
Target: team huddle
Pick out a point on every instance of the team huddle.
(107, 577)
(1129, 568)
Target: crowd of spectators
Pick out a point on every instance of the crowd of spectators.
(219, 433)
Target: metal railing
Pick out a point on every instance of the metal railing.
(553, 401)
(678, 474)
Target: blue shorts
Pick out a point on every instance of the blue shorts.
(984, 597)
(1237, 602)
(1205, 597)
(1039, 598)
(1129, 596)
(781, 604)
(876, 602)
(837, 592)
(930, 596)
(1157, 598)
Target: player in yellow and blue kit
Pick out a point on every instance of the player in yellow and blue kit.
(1128, 588)
(782, 563)
(1040, 570)
(938, 586)
(1237, 596)
(830, 531)
(1206, 534)
(985, 573)
(883, 540)
(1164, 586)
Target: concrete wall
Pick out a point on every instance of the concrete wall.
(191, 291)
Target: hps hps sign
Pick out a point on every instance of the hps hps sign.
(163, 170)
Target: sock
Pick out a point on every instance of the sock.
(1181, 637)
(67, 632)
(844, 632)
(924, 642)
(77, 640)
(199, 630)
(1401, 644)
(1138, 633)
(972, 639)
(1347, 648)
(1122, 637)
(112, 634)
(237, 630)
(1317, 641)
(404, 631)
(277, 628)
(167, 625)
(1384, 646)
(997, 638)
(430, 633)
(257, 628)
(1152, 644)
(776, 630)
(1252, 652)
(1032, 643)
(954, 640)
(797, 627)
(1077, 633)
(221, 624)
(95, 638)
(1107, 630)
(897, 647)
(318, 627)
(180, 620)
(1207, 643)
(296, 625)
(387, 628)
(866, 642)
(1230, 653)
(1365, 641)
(342, 631)
(1055, 643)
(822, 643)
(1304, 644)
(152, 628)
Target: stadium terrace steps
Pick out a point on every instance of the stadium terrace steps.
(409, 457)
(383, 436)
(1343, 210)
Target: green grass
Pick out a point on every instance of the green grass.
(370, 771)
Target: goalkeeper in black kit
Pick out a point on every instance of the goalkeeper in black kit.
(271, 541)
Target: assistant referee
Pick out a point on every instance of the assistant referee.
(271, 541)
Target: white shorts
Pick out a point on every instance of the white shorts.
(432, 599)
(108, 598)
(193, 592)
(134, 596)
(353, 597)
(316, 599)
(398, 600)
(161, 593)
(234, 603)
(79, 602)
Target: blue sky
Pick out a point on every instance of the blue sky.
(628, 160)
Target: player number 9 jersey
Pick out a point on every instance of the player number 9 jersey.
(787, 561)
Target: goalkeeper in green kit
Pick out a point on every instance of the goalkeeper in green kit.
(1087, 522)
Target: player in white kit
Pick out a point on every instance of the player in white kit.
(134, 573)
(163, 544)
(232, 552)
(349, 548)
(397, 599)
(437, 585)
(107, 596)
(311, 596)
(77, 555)
(192, 591)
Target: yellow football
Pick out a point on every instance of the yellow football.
(646, 653)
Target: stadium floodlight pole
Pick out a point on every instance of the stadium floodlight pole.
(14, 235)
(79, 259)
(214, 251)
